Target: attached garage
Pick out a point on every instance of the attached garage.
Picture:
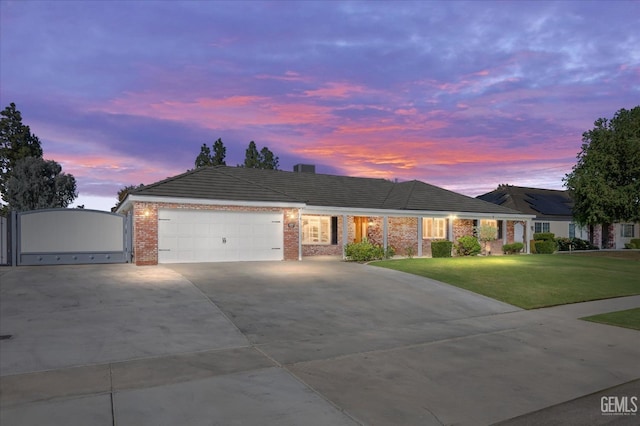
(218, 236)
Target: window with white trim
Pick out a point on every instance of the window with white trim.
(541, 227)
(434, 227)
(316, 229)
(489, 222)
(627, 230)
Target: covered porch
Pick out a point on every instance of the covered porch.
(325, 232)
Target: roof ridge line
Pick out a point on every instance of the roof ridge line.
(223, 170)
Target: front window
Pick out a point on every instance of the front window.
(316, 230)
(541, 227)
(434, 227)
(572, 230)
(489, 222)
(627, 230)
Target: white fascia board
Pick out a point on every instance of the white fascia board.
(410, 213)
(124, 206)
(208, 202)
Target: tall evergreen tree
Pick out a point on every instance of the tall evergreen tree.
(263, 159)
(16, 142)
(268, 160)
(252, 157)
(204, 158)
(219, 153)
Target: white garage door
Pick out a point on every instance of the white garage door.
(213, 236)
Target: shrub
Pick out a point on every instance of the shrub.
(364, 251)
(567, 244)
(409, 252)
(635, 243)
(544, 236)
(532, 246)
(468, 246)
(513, 248)
(441, 248)
(389, 253)
(564, 244)
(545, 247)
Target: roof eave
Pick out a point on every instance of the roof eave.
(131, 198)
(310, 209)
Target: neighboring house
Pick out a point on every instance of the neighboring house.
(224, 213)
(553, 213)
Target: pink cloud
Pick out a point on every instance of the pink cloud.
(287, 76)
(336, 90)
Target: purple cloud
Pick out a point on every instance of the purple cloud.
(465, 95)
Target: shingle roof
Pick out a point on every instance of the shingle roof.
(544, 203)
(244, 184)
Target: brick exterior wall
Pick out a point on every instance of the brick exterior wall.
(145, 227)
(291, 234)
(145, 233)
(462, 227)
(403, 234)
(611, 237)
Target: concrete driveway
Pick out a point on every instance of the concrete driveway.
(289, 343)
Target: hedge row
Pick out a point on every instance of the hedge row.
(441, 248)
(633, 244)
(569, 244)
(513, 248)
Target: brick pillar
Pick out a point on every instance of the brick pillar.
(291, 230)
(145, 228)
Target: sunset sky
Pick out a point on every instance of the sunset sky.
(463, 95)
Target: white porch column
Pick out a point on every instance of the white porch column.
(385, 230)
(504, 232)
(419, 236)
(299, 234)
(527, 237)
(345, 235)
(450, 228)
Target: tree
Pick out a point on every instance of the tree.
(16, 143)
(252, 156)
(486, 234)
(605, 182)
(123, 192)
(268, 160)
(264, 159)
(219, 153)
(205, 158)
(36, 183)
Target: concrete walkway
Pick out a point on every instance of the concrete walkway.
(296, 343)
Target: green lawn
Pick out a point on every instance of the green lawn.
(629, 318)
(533, 281)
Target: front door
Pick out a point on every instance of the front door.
(361, 223)
(518, 232)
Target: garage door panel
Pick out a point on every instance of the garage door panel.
(210, 236)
